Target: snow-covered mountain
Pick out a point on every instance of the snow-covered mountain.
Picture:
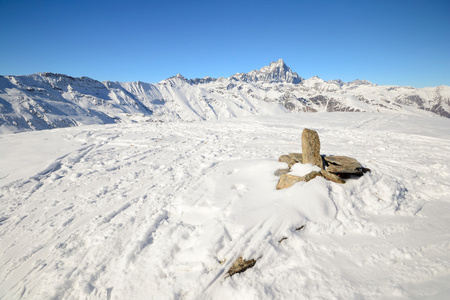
(49, 100)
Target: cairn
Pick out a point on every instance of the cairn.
(333, 168)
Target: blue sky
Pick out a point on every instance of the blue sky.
(387, 42)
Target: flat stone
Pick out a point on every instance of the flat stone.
(344, 165)
(344, 170)
(311, 148)
(287, 180)
(331, 177)
(296, 156)
(287, 159)
(343, 160)
(280, 172)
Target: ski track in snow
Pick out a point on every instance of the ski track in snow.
(162, 210)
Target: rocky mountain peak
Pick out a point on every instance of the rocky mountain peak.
(361, 82)
(276, 72)
(175, 79)
(276, 66)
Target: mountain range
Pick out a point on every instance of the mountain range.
(48, 100)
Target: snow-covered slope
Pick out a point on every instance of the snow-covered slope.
(48, 100)
(162, 210)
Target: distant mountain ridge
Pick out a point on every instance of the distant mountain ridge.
(49, 100)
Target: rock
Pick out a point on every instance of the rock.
(241, 265)
(344, 170)
(365, 170)
(296, 156)
(287, 159)
(344, 165)
(332, 177)
(333, 168)
(280, 172)
(312, 175)
(287, 180)
(300, 228)
(282, 239)
(342, 160)
(311, 148)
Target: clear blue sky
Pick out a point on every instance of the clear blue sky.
(387, 42)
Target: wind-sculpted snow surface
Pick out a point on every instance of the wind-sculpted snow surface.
(48, 100)
(162, 210)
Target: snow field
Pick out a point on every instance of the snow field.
(162, 210)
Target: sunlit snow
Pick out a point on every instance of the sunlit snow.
(162, 210)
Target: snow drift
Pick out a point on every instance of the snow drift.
(162, 210)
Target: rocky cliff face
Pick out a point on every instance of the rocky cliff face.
(48, 100)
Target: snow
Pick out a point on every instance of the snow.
(303, 169)
(162, 210)
(48, 100)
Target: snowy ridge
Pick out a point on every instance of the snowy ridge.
(48, 100)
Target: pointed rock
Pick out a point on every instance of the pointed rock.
(311, 148)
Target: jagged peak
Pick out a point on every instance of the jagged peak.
(175, 80)
(277, 71)
(361, 82)
(276, 66)
(178, 76)
(51, 74)
(58, 77)
(336, 81)
(203, 80)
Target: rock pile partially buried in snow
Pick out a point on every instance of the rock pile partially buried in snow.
(333, 168)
